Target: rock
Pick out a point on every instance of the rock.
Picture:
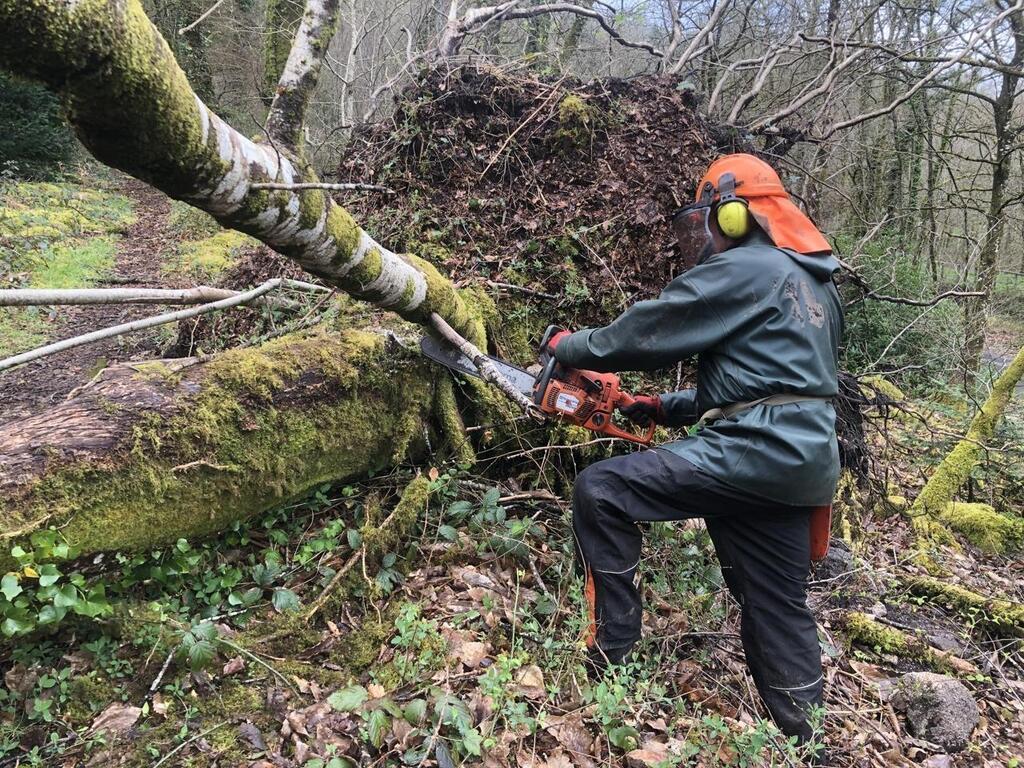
(838, 562)
(938, 709)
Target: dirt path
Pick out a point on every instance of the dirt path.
(138, 258)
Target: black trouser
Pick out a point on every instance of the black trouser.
(763, 547)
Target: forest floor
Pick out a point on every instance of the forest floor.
(465, 646)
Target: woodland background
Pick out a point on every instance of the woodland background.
(203, 589)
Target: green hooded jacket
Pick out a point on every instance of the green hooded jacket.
(762, 321)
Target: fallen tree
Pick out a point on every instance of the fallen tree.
(133, 108)
(148, 453)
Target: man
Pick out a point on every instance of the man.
(757, 305)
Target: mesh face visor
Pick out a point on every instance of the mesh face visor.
(693, 233)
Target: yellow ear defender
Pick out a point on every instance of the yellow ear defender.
(732, 215)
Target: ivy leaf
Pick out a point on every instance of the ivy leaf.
(10, 587)
(13, 625)
(50, 614)
(48, 574)
(624, 737)
(285, 601)
(348, 699)
(65, 597)
(355, 539)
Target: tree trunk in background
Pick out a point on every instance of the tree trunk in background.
(134, 110)
(189, 49)
(280, 23)
(976, 310)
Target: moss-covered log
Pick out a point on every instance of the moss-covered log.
(149, 453)
(999, 616)
(133, 108)
(956, 468)
(865, 631)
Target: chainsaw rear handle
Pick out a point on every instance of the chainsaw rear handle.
(624, 401)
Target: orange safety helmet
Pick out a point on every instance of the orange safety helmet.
(759, 186)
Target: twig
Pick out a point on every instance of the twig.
(347, 187)
(488, 372)
(202, 18)
(521, 289)
(159, 677)
(203, 294)
(184, 744)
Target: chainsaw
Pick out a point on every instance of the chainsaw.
(585, 398)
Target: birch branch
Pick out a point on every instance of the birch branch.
(201, 19)
(347, 187)
(138, 325)
(488, 371)
(38, 297)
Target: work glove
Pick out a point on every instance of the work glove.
(644, 410)
(554, 341)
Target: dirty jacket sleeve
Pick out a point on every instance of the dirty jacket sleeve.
(660, 332)
(679, 409)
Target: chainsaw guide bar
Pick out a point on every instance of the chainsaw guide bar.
(454, 360)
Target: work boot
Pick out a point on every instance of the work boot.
(599, 660)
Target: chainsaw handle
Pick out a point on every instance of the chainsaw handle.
(624, 400)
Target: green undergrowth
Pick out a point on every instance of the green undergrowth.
(206, 250)
(200, 604)
(54, 235)
(227, 613)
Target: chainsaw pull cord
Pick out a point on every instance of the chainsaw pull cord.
(728, 411)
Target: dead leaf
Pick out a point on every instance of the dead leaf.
(376, 691)
(116, 719)
(252, 736)
(471, 654)
(234, 666)
(650, 754)
(530, 682)
(158, 705)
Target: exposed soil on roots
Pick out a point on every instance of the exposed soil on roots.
(539, 183)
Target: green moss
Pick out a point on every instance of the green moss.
(871, 384)
(449, 421)
(89, 693)
(984, 527)
(863, 630)
(577, 122)
(956, 468)
(255, 448)
(1000, 616)
(377, 539)
(210, 257)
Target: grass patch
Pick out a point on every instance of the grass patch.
(54, 235)
(75, 264)
(206, 250)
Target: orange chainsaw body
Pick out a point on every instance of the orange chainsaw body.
(587, 399)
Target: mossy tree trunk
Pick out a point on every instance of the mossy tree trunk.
(153, 452)
(954, 470)
(134, 109)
